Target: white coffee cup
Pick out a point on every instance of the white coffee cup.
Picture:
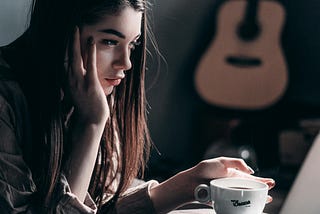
(234, 195)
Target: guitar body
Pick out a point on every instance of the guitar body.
(238, 74)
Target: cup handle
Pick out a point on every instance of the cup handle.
(198, 193)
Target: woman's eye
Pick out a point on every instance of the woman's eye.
(134, 44)
(109, 42)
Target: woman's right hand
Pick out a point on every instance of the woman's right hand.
(221, 167)
(86, 93)
(182, 185)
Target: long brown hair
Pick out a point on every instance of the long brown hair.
(42, 77)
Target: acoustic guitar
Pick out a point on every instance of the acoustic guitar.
(244, 67)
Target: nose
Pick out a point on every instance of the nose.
(123, 62)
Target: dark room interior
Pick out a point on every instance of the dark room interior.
(186, 128)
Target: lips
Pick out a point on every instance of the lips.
(113, 82)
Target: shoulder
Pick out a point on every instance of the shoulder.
(9, 88)
(10, 91)
(14, 122)
(13, 105)
(7, 79)
(8, 85)
(11, 100)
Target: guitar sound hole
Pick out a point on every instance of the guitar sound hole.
(243, 61)
(248, 31)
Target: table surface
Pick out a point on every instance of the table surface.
(195, 208)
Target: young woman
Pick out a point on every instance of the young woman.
(72, 115)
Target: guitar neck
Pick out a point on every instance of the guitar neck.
(251, 11)
(249, 27)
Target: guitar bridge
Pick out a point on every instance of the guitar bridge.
(243, 61)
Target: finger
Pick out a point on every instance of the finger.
(232, 172)
(269, 181)
(77, 62)
(67, 57)
(237, 163)
(269, 199)
(91, 64)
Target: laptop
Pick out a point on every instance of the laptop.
(304, 195)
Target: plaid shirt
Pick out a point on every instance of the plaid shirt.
(16, 182)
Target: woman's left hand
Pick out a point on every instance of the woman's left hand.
(86, 92)
(91, 112)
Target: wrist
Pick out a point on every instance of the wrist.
(192, 181)
(87, 121)
(174, 192)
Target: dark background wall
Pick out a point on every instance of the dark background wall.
(183, 126)
(13, 19)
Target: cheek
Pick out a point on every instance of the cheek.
(103, 62)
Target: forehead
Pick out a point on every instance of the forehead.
(127, 21)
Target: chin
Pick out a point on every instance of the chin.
(108, 90)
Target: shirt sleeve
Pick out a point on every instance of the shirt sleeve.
(16, 182)
(136, 200)
(69, 202)
(17, 186)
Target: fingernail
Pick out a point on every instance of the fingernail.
(250, 169)
(271, 183)
(90, 40)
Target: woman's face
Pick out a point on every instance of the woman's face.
(115, 37)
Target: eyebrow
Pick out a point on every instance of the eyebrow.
(115, 32)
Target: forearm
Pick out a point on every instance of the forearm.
(85, 146)
(173, 192)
